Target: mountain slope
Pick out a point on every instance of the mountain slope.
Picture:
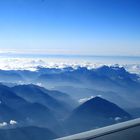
(94, 113)
(33, 94)
(60, 96)
(13, 107)
(27, 133)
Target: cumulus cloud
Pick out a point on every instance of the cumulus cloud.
(117, 118)
(13, 122)
(3, 124)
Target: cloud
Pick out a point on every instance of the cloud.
(3, 124)
(13, 122)
(8, 63)
(88, 98)
(117, 118)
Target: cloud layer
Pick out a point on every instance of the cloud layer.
(33, 63)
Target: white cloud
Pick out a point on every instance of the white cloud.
(3, 124)
(117, 118)
(88, 98)
(8, 63)
(85, 99)
(39, 84)
(13, 122)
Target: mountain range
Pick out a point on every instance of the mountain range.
(59, 102)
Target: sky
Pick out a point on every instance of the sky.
(83, 27)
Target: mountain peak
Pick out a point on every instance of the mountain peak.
(96, 112)
(99, 107)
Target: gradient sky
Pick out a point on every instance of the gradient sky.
(94, 27)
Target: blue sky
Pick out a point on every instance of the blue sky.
(94, 27)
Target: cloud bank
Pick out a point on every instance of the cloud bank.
(33, 63)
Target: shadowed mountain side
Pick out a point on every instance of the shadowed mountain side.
(10, 76)
(27, 133)
(13, 107)
(34, 94)
(7, 114)
(118, 80)
(60, 96)
(95, 113)
(39, 115)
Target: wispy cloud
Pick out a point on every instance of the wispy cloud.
(88, 98)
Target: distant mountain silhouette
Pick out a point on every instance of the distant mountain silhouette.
(94, 113)
(10, 76)
(13, 107)
(60, 96)
(35, 94)
(103, 77)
